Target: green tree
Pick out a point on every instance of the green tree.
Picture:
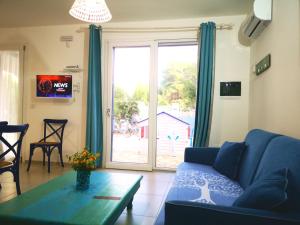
(141, 94)
(120, 94)
(119, 98)
(179, 85)
(124, 107)
(126, 110)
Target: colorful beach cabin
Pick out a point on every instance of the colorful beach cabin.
(173, 134)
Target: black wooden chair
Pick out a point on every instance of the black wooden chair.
(2, 123)
(7, 165)
(56, 130)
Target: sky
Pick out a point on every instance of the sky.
(132, 64)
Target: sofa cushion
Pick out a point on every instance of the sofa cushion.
(268, 192)
(284, 152)
(202, 183)
(256, 142)
(228, 159)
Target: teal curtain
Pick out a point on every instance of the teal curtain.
(205, 84)
(94, 123)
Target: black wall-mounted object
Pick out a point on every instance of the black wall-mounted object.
(263, 65)
(230, 88)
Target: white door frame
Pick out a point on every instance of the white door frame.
(152, 105)
(153, 90)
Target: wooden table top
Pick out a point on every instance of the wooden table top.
(57, 202)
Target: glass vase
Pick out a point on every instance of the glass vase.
(83, 180)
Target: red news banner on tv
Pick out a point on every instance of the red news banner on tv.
(54, 86)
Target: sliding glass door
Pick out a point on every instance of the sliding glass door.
(130, 104)
(151, 104)
(176, 101)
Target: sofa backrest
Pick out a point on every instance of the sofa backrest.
(284, 152)
(256, 141)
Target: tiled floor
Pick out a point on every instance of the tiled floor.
(147, 201)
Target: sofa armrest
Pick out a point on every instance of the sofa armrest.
(193, 213)
(205, 156)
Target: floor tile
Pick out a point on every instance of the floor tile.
(153, 187)
(128, 219)
(145, 205)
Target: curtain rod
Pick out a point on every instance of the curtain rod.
(222, 26)
(163, 29)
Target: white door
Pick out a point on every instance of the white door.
(130, 102)
(150, 104)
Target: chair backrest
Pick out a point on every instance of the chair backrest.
(56, 126)
(15, 148)
(2, 123)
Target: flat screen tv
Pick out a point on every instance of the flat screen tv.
(54, 86)
(230, 88)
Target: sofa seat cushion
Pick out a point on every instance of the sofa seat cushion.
(202, 183)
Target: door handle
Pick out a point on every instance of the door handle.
(108, 112)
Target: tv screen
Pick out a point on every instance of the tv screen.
(230, 88)
(54, 86)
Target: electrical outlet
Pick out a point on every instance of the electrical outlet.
(263, 65)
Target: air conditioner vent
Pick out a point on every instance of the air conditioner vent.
(256, 22)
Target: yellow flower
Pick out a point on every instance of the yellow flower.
(83, 160)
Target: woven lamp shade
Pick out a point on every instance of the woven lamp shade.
(93, 11)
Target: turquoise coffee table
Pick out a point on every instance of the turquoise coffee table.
(57, 202)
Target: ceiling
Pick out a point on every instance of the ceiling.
(17, 13)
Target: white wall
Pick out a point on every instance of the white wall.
(230, 114)
(45, 54)
(275, 94)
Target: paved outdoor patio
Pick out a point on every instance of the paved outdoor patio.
(133, 149)
(163, 160)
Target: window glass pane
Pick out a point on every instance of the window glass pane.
(130, 104)
(177, 69)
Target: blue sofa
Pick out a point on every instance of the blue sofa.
(202, 196)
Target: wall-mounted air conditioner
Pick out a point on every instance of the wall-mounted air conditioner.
(256, 21)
